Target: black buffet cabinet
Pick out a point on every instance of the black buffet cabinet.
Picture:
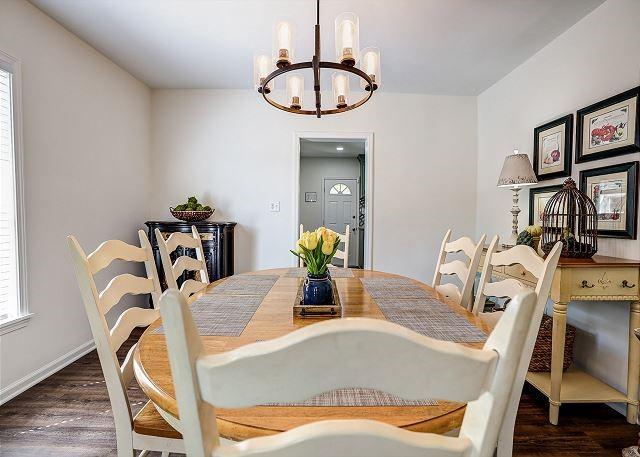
(217, 243)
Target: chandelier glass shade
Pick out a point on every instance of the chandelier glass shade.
(349, 61)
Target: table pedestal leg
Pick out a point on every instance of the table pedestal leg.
(633, 376)
(557, 358)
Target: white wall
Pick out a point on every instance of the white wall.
(86, 172)
(313, 170)
(597, 58)
(236, 152)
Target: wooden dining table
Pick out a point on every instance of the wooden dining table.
(274, 318)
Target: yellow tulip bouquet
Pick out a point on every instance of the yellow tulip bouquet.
(316, 249)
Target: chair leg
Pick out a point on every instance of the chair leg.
(505, 438)
(144, 453)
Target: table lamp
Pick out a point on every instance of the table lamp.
(516, 172)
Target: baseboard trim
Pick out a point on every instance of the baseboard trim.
(33, 378)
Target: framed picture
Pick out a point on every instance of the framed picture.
(609, 128)
(538, 198)
(614, 191)
(552, 145)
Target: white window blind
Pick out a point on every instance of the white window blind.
(9, 277)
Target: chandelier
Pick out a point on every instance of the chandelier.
(267, 68)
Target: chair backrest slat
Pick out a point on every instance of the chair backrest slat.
(184, 263)
(173, 270)
(177, 239)
(345, 353)
(507, 288)
(117, 377)
(112, 250)
(128, 320)
(520, 254)
(353, 438)
(122, 285)
(463, 244)
(465, 271)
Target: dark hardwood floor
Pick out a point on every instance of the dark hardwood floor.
(68, 415)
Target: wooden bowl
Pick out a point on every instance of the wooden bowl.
(191, 216)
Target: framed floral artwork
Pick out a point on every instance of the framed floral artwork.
(552, 145)
(614, 191)
(538, 198)
(609, 128)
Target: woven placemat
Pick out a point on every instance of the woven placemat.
(335, 272)
(407, 304)
(357, 397)
(229, 307)
(246, 285)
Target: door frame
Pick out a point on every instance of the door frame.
(367, 137)
(357, 194)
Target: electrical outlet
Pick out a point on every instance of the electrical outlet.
(274, 207)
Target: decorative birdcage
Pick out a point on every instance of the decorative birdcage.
(570, 216)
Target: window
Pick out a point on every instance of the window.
(340, 189)
(13, 307)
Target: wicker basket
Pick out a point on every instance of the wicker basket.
(541, 357)
(191, 216)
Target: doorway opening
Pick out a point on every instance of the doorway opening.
(333, 189)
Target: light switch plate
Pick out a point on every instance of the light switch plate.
(274, 206)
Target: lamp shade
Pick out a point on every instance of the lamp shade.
(517, 171)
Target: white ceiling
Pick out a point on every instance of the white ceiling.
(321, 147)
(427, 46)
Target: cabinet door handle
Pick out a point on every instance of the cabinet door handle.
(625, 284)
(585, 285)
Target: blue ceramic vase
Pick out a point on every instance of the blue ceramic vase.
(317, 290)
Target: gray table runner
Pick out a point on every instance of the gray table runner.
(404, 302)
(357, 397)
(229, 307)
(335, 272)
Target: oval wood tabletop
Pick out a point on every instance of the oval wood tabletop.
(274, 318)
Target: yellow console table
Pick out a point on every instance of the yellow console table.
(600, 278)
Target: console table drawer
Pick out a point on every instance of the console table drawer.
(600, 281)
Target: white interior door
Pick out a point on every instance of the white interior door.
(341, 209)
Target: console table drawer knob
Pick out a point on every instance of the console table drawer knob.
(625, 284)
(585, 284)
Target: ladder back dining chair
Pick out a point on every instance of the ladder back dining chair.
(465, 270)
(543, 270)
(270, 372)
(343, 255)
(173, 270)
(131, 432)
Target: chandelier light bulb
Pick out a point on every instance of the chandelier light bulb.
(262, 66)
(295, 88)
(347, 39)
(340, 83)
(284, 46)
(370, 63)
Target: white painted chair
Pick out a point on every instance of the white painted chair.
(344, 255)
(543, 270)
(118, 377)
(173, 270)
(416, 367)
(300, 261)
(465, 271)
